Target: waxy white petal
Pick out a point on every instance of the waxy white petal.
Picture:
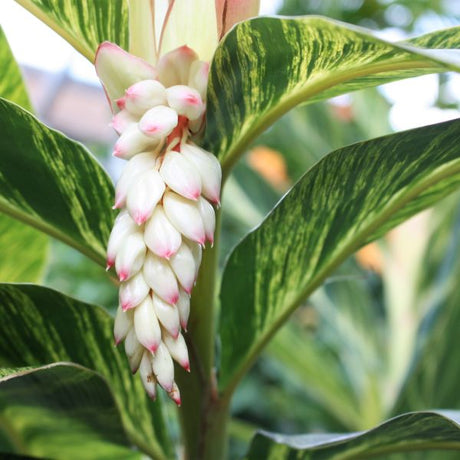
(147, 376)
(183, 264)
(133, 141)
(123, 227)
(133, 291)
(185, 101)
(143, 95)
(131, 256)
(209, 168)
(209, 218)
(136, 165)
(198, 78)
(197, 252)
(144, 194)
(174, 67)
(123, 323)
(163, 367)
(168, 315)
(160, 277)
(122, 121)
(146, 325)
(183, 306)
(181, 175)
(158, 122)
(185, 216)
(118, 70)
(161, 237)
(177, 349)
(134, 350)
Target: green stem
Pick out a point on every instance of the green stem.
(203, 413)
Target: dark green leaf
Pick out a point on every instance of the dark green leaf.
(353, 196)
(266, 66)
(84, 24)
(408, 432)
(53, 183)
(41, 326)
(61, 411)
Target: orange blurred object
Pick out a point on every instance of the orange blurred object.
(270, 165)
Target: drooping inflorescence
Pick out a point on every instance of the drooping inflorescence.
(166, 195)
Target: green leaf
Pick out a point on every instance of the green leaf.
(266, 66)
(53, 183)
(353, 196)
(84, 24)
(40, 326)
(23, 249)
(60, 411)
(408, 432)
(11, 84)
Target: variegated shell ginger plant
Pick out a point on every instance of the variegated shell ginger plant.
(169, 188)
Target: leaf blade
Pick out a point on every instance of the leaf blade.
(352, 196)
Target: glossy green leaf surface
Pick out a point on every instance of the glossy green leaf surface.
(84, 24)
(266, 66)
(23, 248)
(53, 183)
(352, 196)
(61, 411)
(408, 432)
(41, 326)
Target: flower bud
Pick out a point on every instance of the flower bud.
(158, 122)
(181, 175)
(123, 227)
(135, 166)
(210, 171)
(185, 101)
(197, 253)
(147, 376)
(168, 315)
(160, 235)
(183, 264)
(133, 291)
(174, 394)
(123, 323)
(174, 67)
(133, 350)
(160, 277)
(185, 216)
(146, 325)
(133, 141)
(130, 257)
(122, 120)
(163, 367)
(209, 218)
(143, 95)
(144, 194)
(198, 79)
(183, 307)
(177, 349)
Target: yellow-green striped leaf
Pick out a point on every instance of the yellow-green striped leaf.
(53, 183)
(352, 196)
(40, 326)
(409, 432)
(266, 66)
(84, 24)
(61, 411)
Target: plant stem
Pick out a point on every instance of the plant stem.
(203, 414)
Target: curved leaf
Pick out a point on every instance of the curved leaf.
(41, 326)
(61, 411)
(407, 432)
(266, 66)
(84, 24)
(352, 196)
(53, 183)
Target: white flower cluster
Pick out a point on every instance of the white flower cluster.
(165, 193)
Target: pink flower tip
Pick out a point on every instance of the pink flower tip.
(177, 400)
(117, 152)
(121, 102)
(153, 348)
(188, 289)
(186, 365)
(172, 300)
(123, 275)
(184, 325)
(134, 370)
(126, 305)
(117, 341)
(152, 395)
(192, 99)
(109, 265)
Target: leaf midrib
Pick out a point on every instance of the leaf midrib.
(355, 242)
